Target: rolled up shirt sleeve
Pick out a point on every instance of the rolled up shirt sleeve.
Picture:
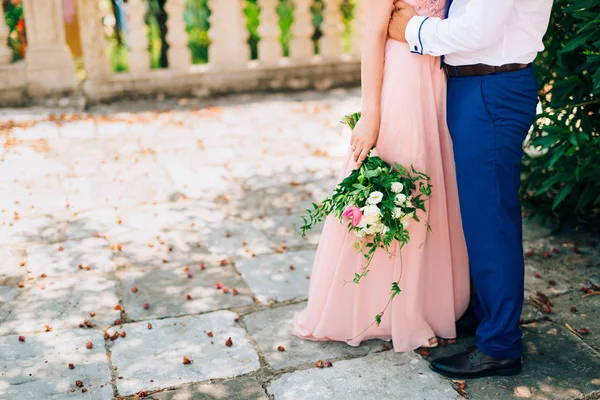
(480, 26)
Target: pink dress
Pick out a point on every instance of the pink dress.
(435, 280)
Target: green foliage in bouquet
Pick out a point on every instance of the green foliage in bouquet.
(562, 164)
(377, 201)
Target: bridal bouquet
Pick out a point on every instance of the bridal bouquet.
(377, 201)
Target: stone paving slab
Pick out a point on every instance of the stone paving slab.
(234, 238)
(195, 182)
(64, 258)
(564, 262)
(555, 276)
(154, 249)
(34, 229)
(386, 375)
(274, 200)
(38, 368)
(271, 278)
(166, 289)
(285, 230)
(153, 358)
(273, 328)
(27, 201)
(246, 388)
(153, 217)
(8, 294)
(281, 171)
(11, 259)
(585, 316)
(59, 303)
(91, 223)
(29, 166)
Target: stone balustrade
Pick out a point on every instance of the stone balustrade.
(48, 69)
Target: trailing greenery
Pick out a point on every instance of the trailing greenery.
(562, 167)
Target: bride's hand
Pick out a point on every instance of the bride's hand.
(364, 137)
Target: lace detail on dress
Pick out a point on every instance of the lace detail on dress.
(429, 8)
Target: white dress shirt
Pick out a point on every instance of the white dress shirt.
(492, 32)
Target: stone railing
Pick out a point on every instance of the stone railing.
(49, 70)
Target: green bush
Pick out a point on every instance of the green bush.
(562, 165)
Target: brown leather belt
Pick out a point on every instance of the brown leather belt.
(481, 69)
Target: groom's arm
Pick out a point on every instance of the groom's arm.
(480, 26)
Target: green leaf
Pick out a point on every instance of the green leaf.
(395, 289)
(563, 193)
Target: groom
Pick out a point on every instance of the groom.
(487, 47)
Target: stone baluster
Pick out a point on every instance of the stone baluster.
(270, 50)
(139, 58)
(49, 64)
(228, 49)
(331, 42)
(6, 54)
(358, 28)
(180, 57)
(302, 47)
(95, 57)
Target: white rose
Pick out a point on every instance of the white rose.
(375, 198)
(409, 204)
(398, 213)
(397, 187)
(384, 229)
(371, 211)
(373, 228)
(400, 199)
(368, 220)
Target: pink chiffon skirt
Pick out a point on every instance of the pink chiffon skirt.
(435, 279)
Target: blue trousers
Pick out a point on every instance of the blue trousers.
(489, 117)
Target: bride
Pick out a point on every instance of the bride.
(403, 109)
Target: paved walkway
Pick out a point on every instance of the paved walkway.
(134, 239)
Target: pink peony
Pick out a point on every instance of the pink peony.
(354, 213)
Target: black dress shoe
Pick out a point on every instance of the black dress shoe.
(472, 363)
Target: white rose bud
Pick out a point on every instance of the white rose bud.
(397, 187)
(398, 213)
(375, 198)
(374, 228)
(371, 211)
(400, 199)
